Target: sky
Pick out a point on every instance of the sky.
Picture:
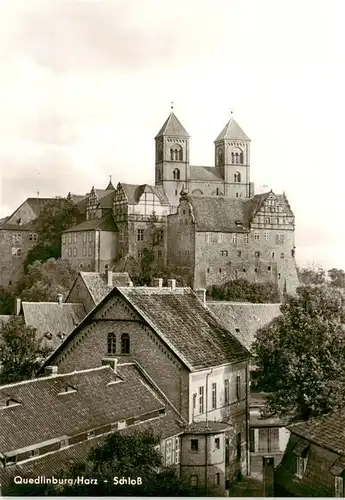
(86, 85)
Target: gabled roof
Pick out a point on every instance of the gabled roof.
(327, 432)
(36, 205)
(106, 223)
(232, 130)
(172, 127)
(46, 411)
(177, 315)
(244, 319)
(134, 192)
(97, 285)
(219, 214)
(200, 173)
(53, 318)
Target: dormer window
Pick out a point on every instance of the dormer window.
(9, 403)
(69, 389)
(176, 174)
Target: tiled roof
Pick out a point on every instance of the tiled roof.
(97, 284)
(47, 411)
(232, 130)
(134, 191)
(38, 204)
(217, 213)
(53, 318)
(106, 223)
(172, 127)
(200, 173)
(327, 431)
(189, 328)
(244, 319)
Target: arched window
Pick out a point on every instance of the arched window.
(125, 343)
(241, 157)
(220, 156)
(111, 343)
(176, 174)
(176, 154)
(232, 157)
(237, 177)
(237, 156)
(197, 191)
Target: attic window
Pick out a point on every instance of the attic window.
(48, 335)
(90, 434)
(9, 403)
(68, 390)
(238, 223)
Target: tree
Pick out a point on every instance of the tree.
(337, 277)
(44, 280)
(301, 354)
(6, 300)
(56, 216)
(244, 291)
(312, 275)
(20, 352)
(121, 456)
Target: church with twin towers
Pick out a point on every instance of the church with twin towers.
(212, 227)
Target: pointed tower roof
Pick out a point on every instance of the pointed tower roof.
(232, 130)
(110, 186)
(172, 127)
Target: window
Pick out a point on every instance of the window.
(238, 387)
(252, 440)
(239, 253)
(193, 481)
(176, 174)
(194, 445)
(69, 238)
(226, 391)
(16, 252)
(217, 478)
(238, 445)
(217, 192)
(63, 239)
(90, 237)
(237, 177)
(268, 440)
(272, 255)
(224, 253)
(90, 252)
(256, 236)
(201, 399)
(74, 251)
(257, 254)
(176, 154)
(220, 270)
(301, 466)
(111, 343)
(70, 252)
(246, 238)
(85, 237)
(255, 269)
(159, 254)
(280, 238)
(140, 254)
(168, 452)
(84, 251)
(125, 343)
(268, 268)
(282, 255)
(268, 220)
(177, 450)
(339, 486)
(214, 396)
(266, 235)
(75, 237)
(279, 276)
(234, 238)
(140, 235)
(90, 434)
(208, 237)
(236, 195)
(217, 443)
(35, 453)
(208, 270)
(194, 401)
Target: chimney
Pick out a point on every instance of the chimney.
(172, 284)
(109, 277)
(59, 298)
(157, 282)
(50, 370)
(112, 362)
(17, 307)
(268, 476)
(201, 294)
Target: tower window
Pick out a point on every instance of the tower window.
(241, 157)
(237, 176)
(125, 343)
(140, 235)
(176, 174)
(111, 343)
(257, 254)
(176, 153)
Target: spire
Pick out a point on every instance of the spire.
(172, 126)
(232, 130)
(110, 186)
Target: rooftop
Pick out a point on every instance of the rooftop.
(232, 130)
(97, 283)
(172, 127)
(106, 223)
(244, 319)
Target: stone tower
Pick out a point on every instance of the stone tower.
(172, 158)
(232, 156)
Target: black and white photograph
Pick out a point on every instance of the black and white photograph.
(172, 253)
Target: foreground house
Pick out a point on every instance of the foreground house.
(200, 367)
(314, 461)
